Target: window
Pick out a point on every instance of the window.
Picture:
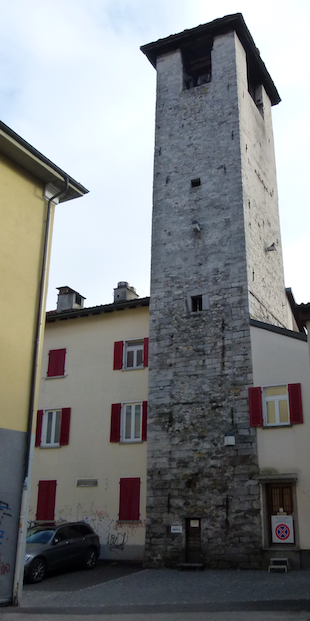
(131, 422)
(46, 500)
(129, 499)
(197, 62)
(53, 427)
(196, 303)
(131, 354)
(128, 422)
(56, 362)
(275, 405)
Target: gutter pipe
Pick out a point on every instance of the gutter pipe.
(21, 543)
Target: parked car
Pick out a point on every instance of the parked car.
(54, 546)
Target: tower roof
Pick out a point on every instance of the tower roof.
(225, 24)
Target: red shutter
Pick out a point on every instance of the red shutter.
(65, 426)
(294, 396)
(144, 420)
(255, 405)
(118, 355)
(129, 499)
(146, 352)
(56, 362)
(39, 427)
(46, 500)
(115, 430)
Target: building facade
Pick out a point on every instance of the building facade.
(216, 263)
(28, 183)
(90, 456)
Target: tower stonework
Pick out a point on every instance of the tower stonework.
(216, 262)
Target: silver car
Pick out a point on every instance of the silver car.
(54, 546)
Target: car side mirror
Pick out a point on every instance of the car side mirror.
(56, 540)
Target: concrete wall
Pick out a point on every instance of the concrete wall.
(89, 387)
(279, 359)
(23, 215)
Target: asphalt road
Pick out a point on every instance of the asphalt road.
(116, 592)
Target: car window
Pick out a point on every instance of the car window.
(39, 535)
(61, 534)
(85, 529)
(74, 531)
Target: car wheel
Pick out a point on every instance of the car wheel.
(37, 570)
(90, 558)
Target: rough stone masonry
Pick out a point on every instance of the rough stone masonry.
(215, 212)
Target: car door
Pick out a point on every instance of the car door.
(57, 554)
(76, 543)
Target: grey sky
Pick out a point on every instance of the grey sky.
(74, 83)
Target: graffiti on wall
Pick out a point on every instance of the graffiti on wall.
(111, 533)
(5, 513)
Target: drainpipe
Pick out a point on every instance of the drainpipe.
(21, 542)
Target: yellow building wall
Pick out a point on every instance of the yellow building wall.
(23, 215)
(89, 388)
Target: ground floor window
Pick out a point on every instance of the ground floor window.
(280, 514)
(46, 500)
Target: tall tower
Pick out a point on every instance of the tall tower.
(216, 262)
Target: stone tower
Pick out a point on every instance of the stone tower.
(216, 262)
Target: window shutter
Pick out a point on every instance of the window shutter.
(146, 352)
(118, 355)
(129, 500)
(115, 430)
(65, 426)
(294, 396)
(144, 420)
(255, 405)
(39, 427)
(46, 500)
(56, 362)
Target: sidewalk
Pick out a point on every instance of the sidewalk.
(178, 596)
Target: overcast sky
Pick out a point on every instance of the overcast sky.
(74, 84)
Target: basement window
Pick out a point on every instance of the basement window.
(197, 63)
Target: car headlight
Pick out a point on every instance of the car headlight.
(27, 557)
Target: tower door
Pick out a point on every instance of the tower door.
(193, 541)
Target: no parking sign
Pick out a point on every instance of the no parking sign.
(282, 529)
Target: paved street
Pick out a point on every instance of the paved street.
(115, 592)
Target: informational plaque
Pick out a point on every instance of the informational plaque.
(176, 529)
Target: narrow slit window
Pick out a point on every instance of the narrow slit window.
(195, 182)
(196, 303)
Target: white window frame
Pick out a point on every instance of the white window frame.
(133, 345)
(132, 438)
(275, 399)
(45, 430)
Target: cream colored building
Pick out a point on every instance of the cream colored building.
(90, 456)
(30, 187)
(280, 411)
(94, 375)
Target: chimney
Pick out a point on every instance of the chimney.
(124, 292)
(68, 299)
